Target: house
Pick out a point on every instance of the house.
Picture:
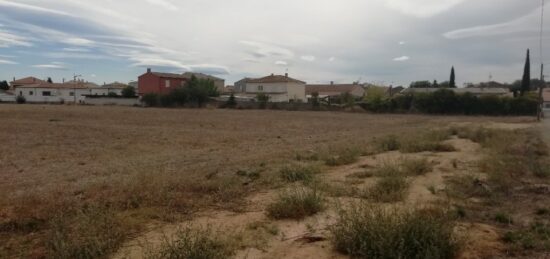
(279, 88)
(546, 97)
(240, 86)
(53, 92)
(159, 83)
(26, 81)
(106, 89)
(6, 96)
(218, 82)
(335, 90)
(477, 91)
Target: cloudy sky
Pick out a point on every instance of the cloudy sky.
(383, 41)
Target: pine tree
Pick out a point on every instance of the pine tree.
(526, 81)
(452, 83)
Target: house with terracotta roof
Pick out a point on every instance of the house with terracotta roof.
(279, 88)
(160, 83)
(26, 81)
(335, 90)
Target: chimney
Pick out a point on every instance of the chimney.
(63, 80)
(14, 79)
(286, 74)
(272, 74)
(331, 82)
(148, 70)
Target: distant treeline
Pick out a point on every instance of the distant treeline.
(446, 101)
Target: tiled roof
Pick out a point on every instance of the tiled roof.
(275, 79)
(338, 89)
(116, 85)
(57, 86)
(169, 75)
(28, 80)
(473, 90)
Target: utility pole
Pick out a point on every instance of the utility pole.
(540, 113)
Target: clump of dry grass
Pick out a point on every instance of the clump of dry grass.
(297, 203)
(195, 243)
(295, 173)
(389, 189)
(343, 157)
(420, 142)
(377, 232)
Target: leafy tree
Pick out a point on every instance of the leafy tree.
(129, 92)
(315, 100)
(452, 82)
(347, 99)
(150, 99)
(421, 84)
(4, 85)
(50, 80)
(526, 80)
(198, 90)
(262, 99)
(112, 94)
(231, 102)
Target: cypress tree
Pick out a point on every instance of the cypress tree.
(526, 81)
(452, 83)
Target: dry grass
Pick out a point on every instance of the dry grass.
(154, 164)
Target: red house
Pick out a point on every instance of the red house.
(159, 83)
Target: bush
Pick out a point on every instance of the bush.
(150, 99)
(345, 157)
(199, 243)
(299, 173)
(112, 94)
(415, 167)
(378, 232)
(91, 233)
(129, 92)
(296, 204)
(389, 189)
(20, 99)
(388, 143)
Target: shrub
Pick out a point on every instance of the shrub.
(150, 99)
(129, 92)
(92, 233)
(296, 204)
(299, 173)
(231, 102)
(20, 99)
(503, 218)
(112, 94)
(377, 232)
(421, 145)
(388, 143)
(534, 237)
(198, 243)
(416, 167)
(345, 157)
(389, 189)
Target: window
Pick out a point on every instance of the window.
(46, 93)
(260, 88)
(71, 93)
(31, 93)
(167, 83)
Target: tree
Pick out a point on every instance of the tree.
(315, 100)
(198, 90)
(452, 82)
(129, 92)
(50, 80)
(435, 84)
(526, 81)
(231, 102)
(262, 99)
(4, 85)
(421, 84)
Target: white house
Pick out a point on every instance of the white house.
(53, 93)
(279, 88)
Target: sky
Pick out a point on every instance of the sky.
(317, 41)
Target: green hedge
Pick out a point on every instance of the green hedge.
(448, 102)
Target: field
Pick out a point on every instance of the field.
(89, 182)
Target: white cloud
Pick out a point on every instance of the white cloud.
(281, 63)
(527, 23)
(422, 8)
(262, 50)
(402, 58)
(33, 8)
(7, 62)
(76, 50)
(164, 3)
(52, 65)
(77, 41)
(8, 39)
(93, 75)
(402, 43)
(308, 58)
(332, 59)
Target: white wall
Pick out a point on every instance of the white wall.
(57, 95)
(279, 92)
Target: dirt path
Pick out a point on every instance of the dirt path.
(289, 241)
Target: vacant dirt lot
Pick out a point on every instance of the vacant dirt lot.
(155, 165)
